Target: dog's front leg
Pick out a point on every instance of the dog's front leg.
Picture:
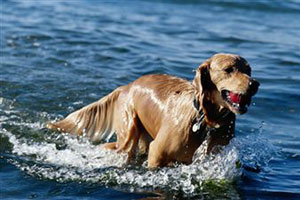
(160, 149)
(221, 137)
(155, 156)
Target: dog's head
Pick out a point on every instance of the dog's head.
(225, 80)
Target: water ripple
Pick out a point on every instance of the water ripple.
(59, 56)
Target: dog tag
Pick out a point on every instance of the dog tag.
(196, 127)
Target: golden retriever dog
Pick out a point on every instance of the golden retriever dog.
(168, 117)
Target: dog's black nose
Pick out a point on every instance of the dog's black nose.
(253, 86)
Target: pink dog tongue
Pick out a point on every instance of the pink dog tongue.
(234, 97)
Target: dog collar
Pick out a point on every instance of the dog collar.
(197, 124)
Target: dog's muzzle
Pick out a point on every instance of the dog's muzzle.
(239, 102)
(253, 87)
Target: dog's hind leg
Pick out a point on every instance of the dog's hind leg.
(131, 133)
(144, 142)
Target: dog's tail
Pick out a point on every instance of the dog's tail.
(94, 120)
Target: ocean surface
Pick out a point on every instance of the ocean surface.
(57, 56)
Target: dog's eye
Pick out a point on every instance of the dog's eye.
(229, 70)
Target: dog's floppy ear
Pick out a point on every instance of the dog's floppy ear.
(203, 82)
(204, 87)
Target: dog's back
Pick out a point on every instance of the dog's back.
(154, 98)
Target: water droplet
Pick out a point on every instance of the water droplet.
(36, 44)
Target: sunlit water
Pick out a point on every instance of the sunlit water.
(58, 57)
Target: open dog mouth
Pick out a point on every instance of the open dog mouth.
(238, 102)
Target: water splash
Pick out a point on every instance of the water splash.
(64, 157)
(78, 160)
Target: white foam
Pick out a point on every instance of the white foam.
(80, 161)
(77, 153)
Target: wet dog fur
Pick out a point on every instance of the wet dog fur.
(155, 114)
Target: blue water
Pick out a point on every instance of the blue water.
(57, 56)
